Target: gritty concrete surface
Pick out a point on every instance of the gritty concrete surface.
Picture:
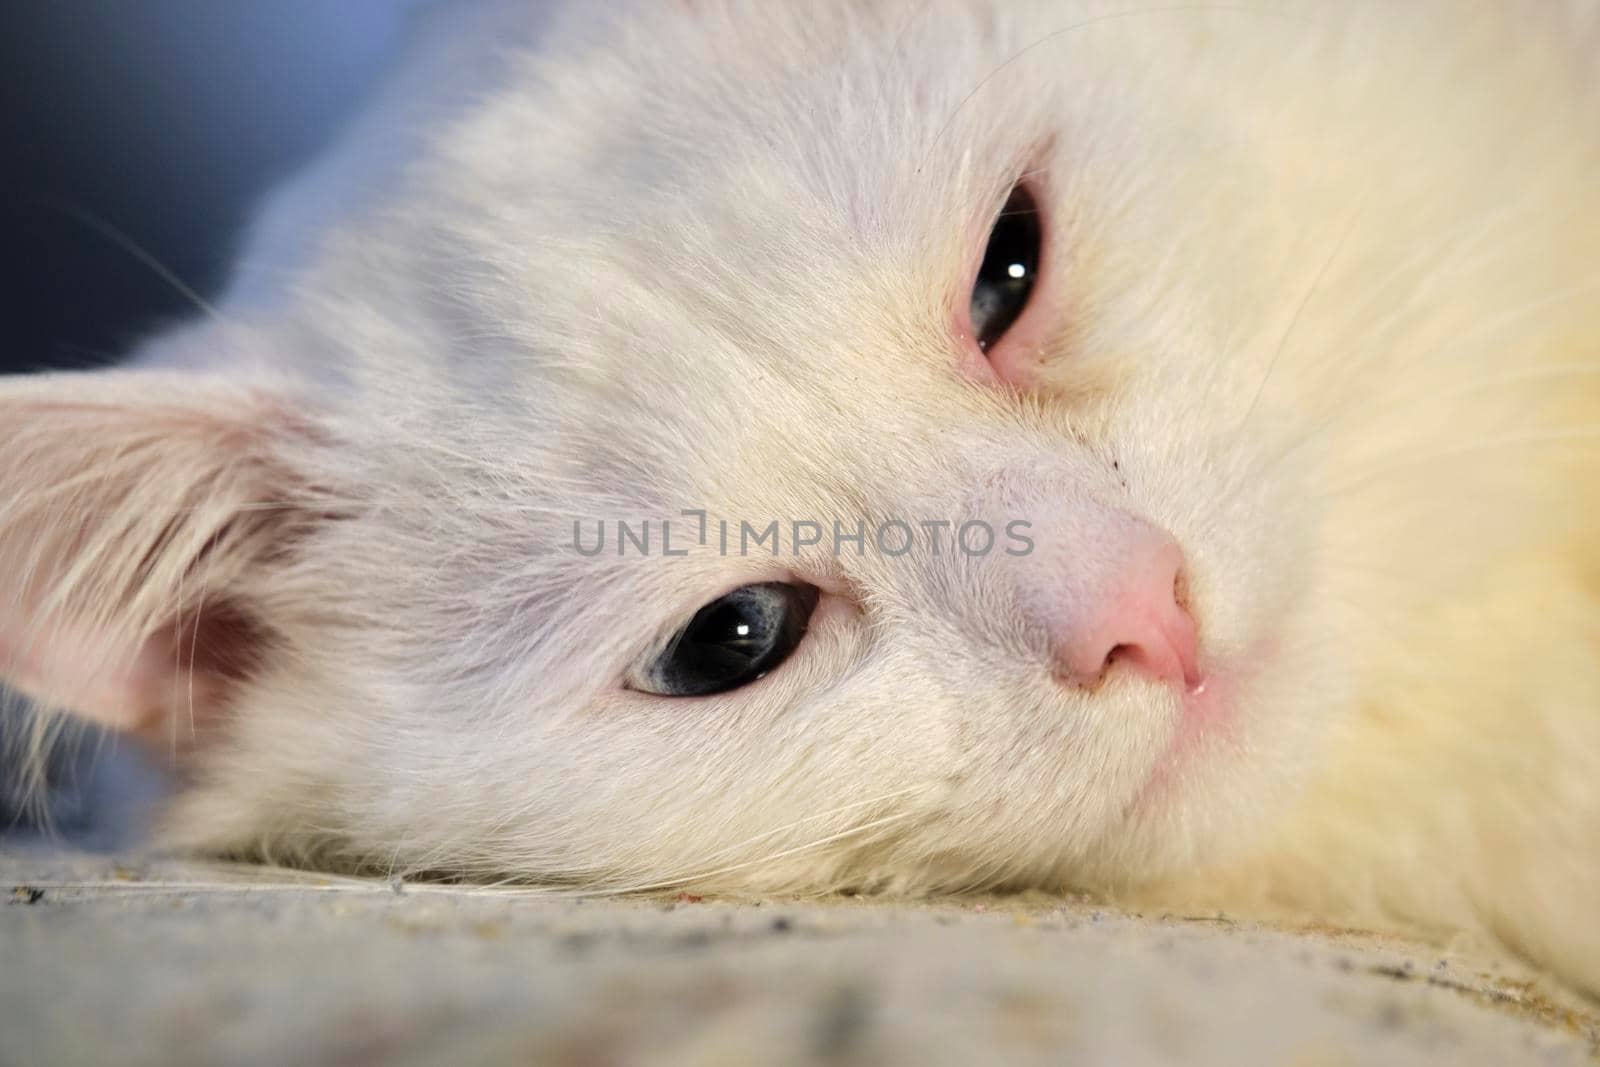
(166, 963)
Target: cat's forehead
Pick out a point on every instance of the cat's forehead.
(691, 256)
(721, 264)
(769, 150)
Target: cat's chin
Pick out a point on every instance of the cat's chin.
(1209, 729)
(1207, 717)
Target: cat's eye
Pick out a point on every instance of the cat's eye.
(1010, 262)
(731, 641)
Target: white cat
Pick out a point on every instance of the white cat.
(1263, 339)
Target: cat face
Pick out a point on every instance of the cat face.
(695, 321)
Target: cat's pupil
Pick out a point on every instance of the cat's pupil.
(1010, 263)
(733, 640)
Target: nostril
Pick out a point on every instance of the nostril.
(1180, 588)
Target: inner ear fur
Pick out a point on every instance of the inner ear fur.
(145, 518)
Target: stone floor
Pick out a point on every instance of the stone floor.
(163, 963)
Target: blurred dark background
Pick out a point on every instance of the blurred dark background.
(135, 132)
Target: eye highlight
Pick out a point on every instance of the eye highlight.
(731, 641)
(1010, 263)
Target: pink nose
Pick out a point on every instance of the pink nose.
(1128, 617)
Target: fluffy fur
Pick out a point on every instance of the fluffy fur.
(1322, 299)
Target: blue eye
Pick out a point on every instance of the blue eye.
(1010, 262)
(731, 641)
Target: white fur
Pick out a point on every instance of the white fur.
(1322, 282)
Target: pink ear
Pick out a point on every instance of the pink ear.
(141, 515)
